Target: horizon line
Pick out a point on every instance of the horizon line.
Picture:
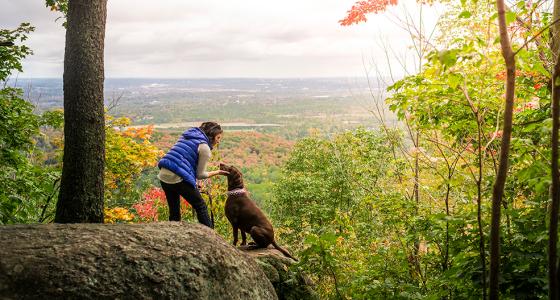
(224, 77)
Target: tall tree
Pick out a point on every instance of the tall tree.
(498, 190)
(553, 229)
(81, 191)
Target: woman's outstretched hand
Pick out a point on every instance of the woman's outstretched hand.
(218, 172)
(223, 172)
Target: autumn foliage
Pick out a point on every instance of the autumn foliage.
(128, 153)
(118, 215)
(360, 9)
(153, 206)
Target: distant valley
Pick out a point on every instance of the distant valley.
(288, 107)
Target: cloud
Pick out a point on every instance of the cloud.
(211, 38)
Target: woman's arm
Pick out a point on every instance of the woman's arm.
(204, 154)
(217, 172)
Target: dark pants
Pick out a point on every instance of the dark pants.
(193, 197)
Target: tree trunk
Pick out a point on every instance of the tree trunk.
(499, 184)
(164, 260)
(555, 192)
(81, 189)
(481, 241)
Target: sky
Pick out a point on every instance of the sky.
(216, 39)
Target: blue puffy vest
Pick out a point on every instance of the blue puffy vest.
(182, 159)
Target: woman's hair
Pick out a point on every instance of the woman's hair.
(211, 129)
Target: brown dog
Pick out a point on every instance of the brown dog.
(244, 215)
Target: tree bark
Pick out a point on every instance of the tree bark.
(555, 189)
(498, 190)
(81, 190)
(555, 194)
(481, 242)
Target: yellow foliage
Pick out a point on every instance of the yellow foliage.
(118, 215)
(143, 133)
(128, 152)
(111, 121)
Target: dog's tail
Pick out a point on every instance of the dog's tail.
(286, 253)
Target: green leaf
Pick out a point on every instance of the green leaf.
(328, 237)
(448, 57)
(541, 69)
(465, 15)
(510, 17)
(453, 80)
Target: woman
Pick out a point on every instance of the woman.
(184, 164)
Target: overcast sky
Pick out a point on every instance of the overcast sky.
(214, 38)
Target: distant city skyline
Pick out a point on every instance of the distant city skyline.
(215, 39)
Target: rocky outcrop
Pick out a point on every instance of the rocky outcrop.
(165, 260)
(289, 283)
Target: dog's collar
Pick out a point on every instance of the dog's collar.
(236, 192)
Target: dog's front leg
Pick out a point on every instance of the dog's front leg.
(235, 233)
(243, 238)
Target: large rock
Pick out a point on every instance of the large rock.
(166, 260)
(289, 283)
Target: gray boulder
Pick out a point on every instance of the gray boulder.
(289, 283)
(165, 260)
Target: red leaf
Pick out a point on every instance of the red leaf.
(359, 10)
